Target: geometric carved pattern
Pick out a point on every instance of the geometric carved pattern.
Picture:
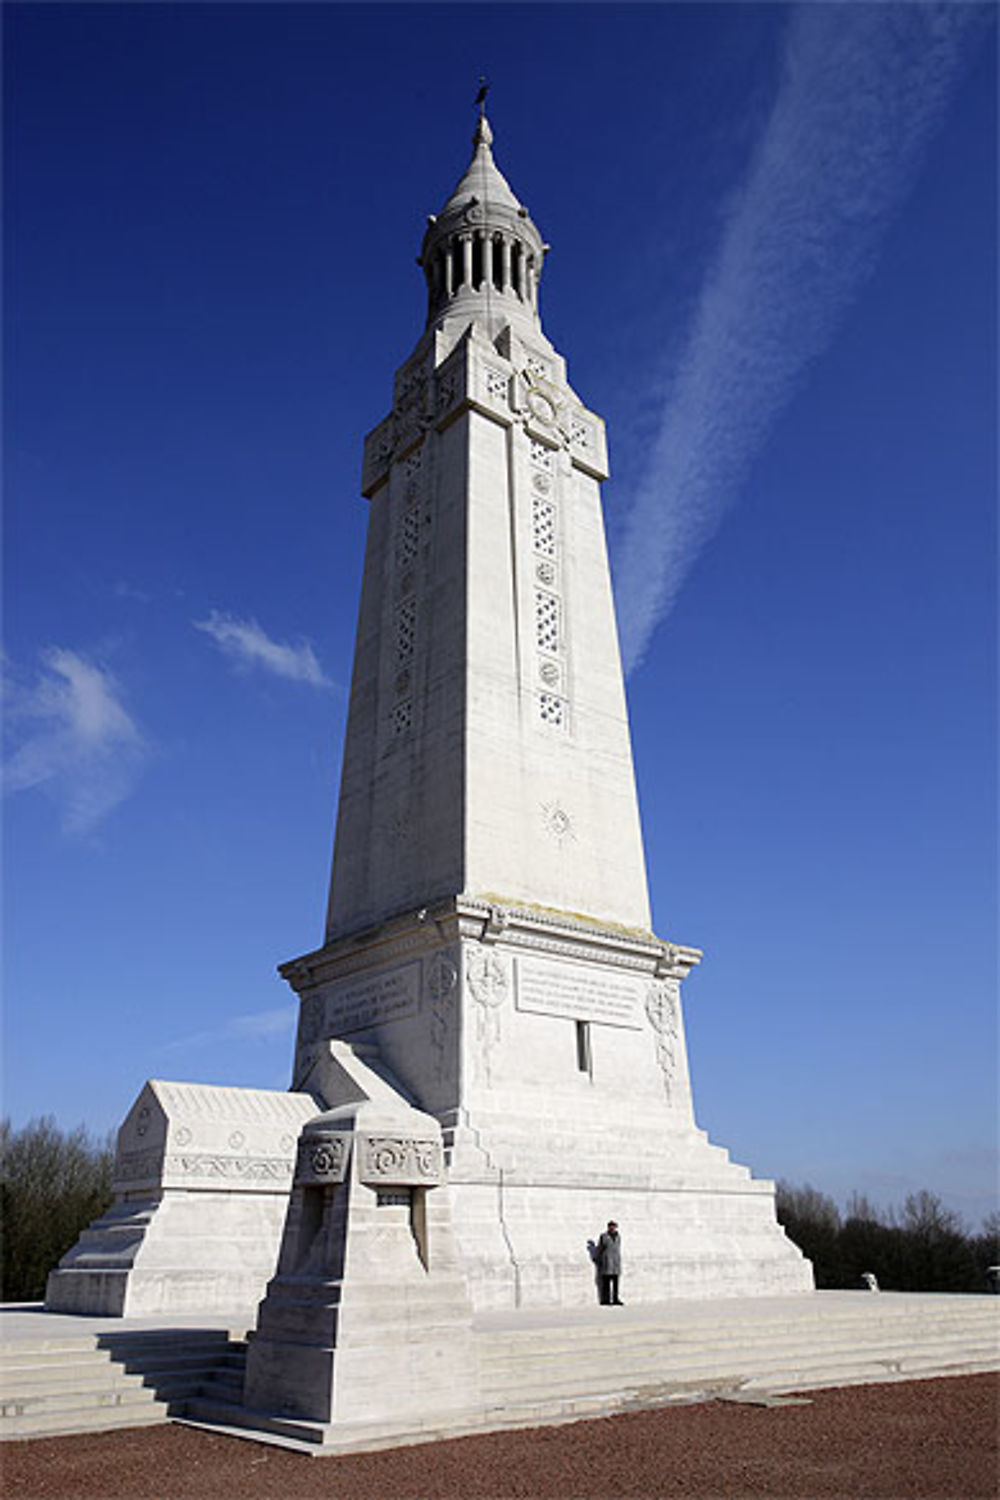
(552, 710)
(496, 384)
(408, 543)
(536, 366)
(406, 615)
(412, 462)
(579, 434)
(546, 622)
(402, 716)
(541, 455)
(543, 516)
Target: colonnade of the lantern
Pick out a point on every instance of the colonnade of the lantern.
(477, 258)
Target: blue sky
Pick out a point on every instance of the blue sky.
(773, 272)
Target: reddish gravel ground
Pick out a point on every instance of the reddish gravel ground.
(928, 1438)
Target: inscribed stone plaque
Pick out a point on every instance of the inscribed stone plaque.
(581, 994)
(372, 1000)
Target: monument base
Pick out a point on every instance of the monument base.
(201, 1181)
(551, 1051)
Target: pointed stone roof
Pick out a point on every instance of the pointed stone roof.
(482, 178)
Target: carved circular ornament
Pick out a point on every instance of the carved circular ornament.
(557, 821)
(324, 1158)
(542, 483)
(541, 405)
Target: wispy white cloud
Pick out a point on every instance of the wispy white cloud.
(124, 590)
(256, 1026)
(247, 646)
(71, 736)
(862, 88)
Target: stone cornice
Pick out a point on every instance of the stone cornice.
(411, 935)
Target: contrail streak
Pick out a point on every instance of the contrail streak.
(862, 89)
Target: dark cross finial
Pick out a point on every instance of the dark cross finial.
(484, 89)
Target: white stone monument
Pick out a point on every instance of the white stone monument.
(490, 997)
(489, 927)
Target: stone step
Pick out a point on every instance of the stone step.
(105, 1348)
(95, 1419)
(568, 1378)
(122, 1390)
(82, 1387)
(631, 1343)
(53, 1379)
(521, 1344)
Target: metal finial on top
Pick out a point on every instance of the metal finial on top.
(483, 135)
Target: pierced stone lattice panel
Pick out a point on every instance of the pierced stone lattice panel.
(401, 717)
(406, 623)
(546, 622)
(542, 455)
(413, 461)
(536, 366)
(552, 710)
(580, 434)
(496, 384)
(408, 544)
(543, 522)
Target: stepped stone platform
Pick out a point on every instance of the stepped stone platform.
(62, 1373)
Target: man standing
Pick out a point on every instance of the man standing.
(609, 1265)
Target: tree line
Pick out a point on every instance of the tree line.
(924, 1247)
(53, 1183)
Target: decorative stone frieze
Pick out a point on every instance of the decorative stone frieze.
(322, 1156)
(399, 1160)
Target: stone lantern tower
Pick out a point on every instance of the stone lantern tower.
(488, 946)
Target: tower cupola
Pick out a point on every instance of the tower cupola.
(481, 252)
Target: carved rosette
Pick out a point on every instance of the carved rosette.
(322, 1158)
(400, 1161)
(663, 1009)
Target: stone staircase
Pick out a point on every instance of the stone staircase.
(536, 1366)
(832, 1339)
(539, 1366)
(119, 1379)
